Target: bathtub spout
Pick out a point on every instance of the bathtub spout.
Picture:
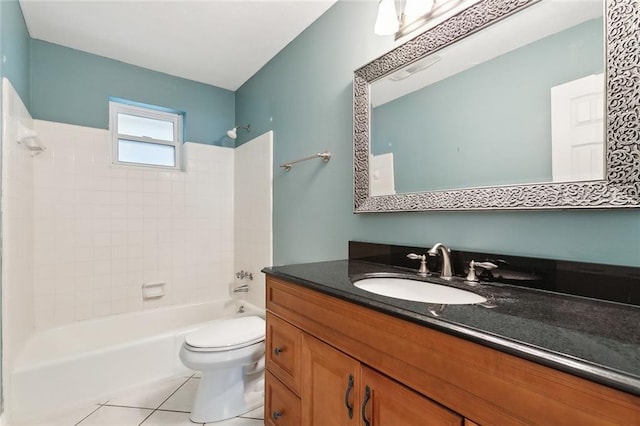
(241, 289)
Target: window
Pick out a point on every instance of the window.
(145, 136)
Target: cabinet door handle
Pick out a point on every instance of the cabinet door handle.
(367, 396)
(276, 415)
(346, 397)
(278, 350)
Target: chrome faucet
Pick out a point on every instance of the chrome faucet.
(446, 271)
(241, 289)
(242, 275)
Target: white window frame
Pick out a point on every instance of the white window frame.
(176, 118)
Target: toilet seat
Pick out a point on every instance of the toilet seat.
(227, 334)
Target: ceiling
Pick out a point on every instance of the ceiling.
(218, 42)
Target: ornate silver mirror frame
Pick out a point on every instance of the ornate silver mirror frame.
(620, 189)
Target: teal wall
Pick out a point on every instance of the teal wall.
(15, 48)
(304, 95)
(70, 86)
(492, 122)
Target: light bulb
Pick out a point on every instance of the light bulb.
(232, 133)
(387, 20)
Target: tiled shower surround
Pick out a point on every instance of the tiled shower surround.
(17, 226)
(101, 231)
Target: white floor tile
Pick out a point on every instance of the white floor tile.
(238, 421)
(169, 418)
(183, 399)
(148, 396)
(71, 417)
(258, 413)
(121, 416)
(135, 405)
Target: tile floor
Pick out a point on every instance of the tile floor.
(165, 402)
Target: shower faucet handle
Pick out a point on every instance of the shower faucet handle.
(242, 275)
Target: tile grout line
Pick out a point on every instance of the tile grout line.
(154, 410)
(166, 399)
(142, 408)
(85, 417)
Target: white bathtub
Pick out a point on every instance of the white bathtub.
(89, 360)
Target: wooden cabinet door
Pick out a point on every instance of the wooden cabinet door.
(330, 385)
(388, 403)
(281, 406)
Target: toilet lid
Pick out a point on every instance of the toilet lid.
(228, 333)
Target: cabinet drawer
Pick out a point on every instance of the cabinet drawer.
(282, 407)
(283, 351)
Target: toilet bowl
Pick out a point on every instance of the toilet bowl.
(230, 355)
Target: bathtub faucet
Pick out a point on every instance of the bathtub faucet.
(241, 289)
(242, 275)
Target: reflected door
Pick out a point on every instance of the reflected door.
(577, 129)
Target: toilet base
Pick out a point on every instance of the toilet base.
(226, 393)
(232, 381)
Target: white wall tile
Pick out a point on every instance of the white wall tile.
(18, 177)
(253, 212)
(124, 226)
(82, 236)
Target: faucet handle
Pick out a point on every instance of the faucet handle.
(423, 271)
(485, 265)
(471, 276)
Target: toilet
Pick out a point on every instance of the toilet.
(230, 354)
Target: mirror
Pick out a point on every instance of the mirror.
(496, 107)
(482, 112)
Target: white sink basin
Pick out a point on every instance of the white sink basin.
(419, 291)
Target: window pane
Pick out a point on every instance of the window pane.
(146, 153)
(145, 127)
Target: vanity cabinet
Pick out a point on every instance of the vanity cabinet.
(386, 402)
(330, 386)
(284, 405)
(283, 352)
(337, 390)
(411, 370)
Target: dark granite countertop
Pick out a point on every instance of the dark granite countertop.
(593, 339)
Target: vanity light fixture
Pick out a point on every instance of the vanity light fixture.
(414, 9)
(389, 22)
(402, 17)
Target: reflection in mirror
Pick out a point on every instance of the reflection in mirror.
(520, 102)
(618, 188)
